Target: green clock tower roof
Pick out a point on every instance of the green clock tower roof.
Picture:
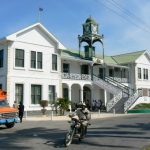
(90, 20)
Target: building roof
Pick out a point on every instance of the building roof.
(117, 59)
(128, 57)
(13, 36)
(90, 20)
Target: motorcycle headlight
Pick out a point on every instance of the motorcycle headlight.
(72, 122)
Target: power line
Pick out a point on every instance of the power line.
(126, 16)
(130, 14)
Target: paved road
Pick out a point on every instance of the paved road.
(117, 133)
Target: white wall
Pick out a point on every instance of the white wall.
(33, 40)
(142, 62)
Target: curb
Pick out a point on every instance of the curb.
(61, 118)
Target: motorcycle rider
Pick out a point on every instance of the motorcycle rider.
(84, 117)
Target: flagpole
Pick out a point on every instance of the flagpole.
(39, 14)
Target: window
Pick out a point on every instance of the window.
(54, 62)
(39, 60)
(36, 94)
(1, 58)
(149, 92)
(19, 93)
(145, 92)
(123, 73)
(36, 60)
(0, 86)
(65, 93)
(33, 59)
(139, 73)
(51, 93)
(111, 72)
(84, 69)
(66, 68)
(19, 58)
(145, 75)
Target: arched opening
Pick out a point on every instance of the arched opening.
(87, 96)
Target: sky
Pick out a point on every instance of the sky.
(125, 24)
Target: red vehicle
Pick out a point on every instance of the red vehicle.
(8, 115)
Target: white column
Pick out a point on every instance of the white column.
(92, 96)
(70, 96)
(105, 97)
(81, 94)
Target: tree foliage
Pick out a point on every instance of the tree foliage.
(63, 105)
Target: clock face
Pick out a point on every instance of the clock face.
(86, 29)
(94, 29)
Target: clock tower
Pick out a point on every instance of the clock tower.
(90, 36)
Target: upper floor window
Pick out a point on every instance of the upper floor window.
(111, 72)
(66, 68)
(19, 58)
(84, 69)
(139, 73)
(123, 73)
(54, 62)
(145, 74)
(1, 57)
(36, 60)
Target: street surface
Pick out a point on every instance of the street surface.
(117, 133)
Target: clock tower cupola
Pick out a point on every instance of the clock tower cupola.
(90, 36)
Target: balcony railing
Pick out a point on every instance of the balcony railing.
(75, 76)
(121, 80)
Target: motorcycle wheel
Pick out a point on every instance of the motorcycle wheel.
(68, 138)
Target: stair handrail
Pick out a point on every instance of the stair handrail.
(120, 85)
(104, 83)
(113, 101)
(132, 100)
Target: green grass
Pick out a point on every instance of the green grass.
(147, 148)
(142, 106)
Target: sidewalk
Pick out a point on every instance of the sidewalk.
(94, 115)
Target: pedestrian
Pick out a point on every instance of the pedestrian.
(15, 105)
(21, 111)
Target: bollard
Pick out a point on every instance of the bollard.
(99, 111)
(52, 115)
(114, 111)
(26, 114)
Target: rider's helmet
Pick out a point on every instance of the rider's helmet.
(82, 105)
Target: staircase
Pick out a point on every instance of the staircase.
(123, 98)
(132, 99)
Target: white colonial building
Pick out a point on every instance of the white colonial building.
(35, 66)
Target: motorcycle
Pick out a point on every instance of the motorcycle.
(78, 129)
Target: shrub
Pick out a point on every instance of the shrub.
(43, 104)
(63, 105)
(142, 106)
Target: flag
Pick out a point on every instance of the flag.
(40, 9)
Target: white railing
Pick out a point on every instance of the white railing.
(121, 80)
(105, 85)
(75, 76)
(113, 101)
(132, 100)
